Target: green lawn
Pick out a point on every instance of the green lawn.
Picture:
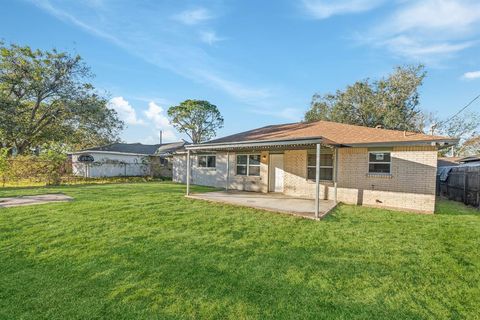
(142, 250)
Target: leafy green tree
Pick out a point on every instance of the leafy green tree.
(45, 97)
(391, 102)
(4, 166)
(54, 157)
(465, 127)
(198, 119)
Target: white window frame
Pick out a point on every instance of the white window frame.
(247, 164)
(380, 162)
(322, 151)
(206, 161)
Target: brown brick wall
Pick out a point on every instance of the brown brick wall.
(411, 185)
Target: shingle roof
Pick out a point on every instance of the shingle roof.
(138, 148)
(473, 158)
(448, 161)
(331, 132)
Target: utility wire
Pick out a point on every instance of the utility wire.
(459, 111)
(434, 126)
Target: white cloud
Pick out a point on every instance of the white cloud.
(168, 47)
(233, 88)
(156, 115)
(210, 37)
(420, 50)
(429, 30)
(471, 75)
(449, 16)
(322, 9)
(193, 16)
(125, 111)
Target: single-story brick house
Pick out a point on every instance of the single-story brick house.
(321, 160)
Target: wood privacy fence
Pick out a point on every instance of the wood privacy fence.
(462, 184)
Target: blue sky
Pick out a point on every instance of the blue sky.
(258, 61)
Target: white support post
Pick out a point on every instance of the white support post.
(335, 173)
(317, 183)
(227, 176)
(188, 172)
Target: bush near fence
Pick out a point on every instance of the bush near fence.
(34, 171)
(462, 184)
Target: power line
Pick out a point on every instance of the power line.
(459, 111)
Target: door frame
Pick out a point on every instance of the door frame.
(271, 182)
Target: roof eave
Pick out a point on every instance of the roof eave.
(313, 140)
(254, 144)
(438, 143)
(111, 152)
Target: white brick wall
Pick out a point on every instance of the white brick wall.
(217, 177)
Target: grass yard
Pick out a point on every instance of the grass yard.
(126, 251)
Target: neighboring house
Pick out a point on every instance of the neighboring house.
(358, 165)
(471, 161)
(125, 159)
(448, 162)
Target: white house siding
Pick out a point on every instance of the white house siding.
(101, 167)
(411, 185)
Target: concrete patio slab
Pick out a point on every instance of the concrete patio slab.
(31, 200)
(275, 202)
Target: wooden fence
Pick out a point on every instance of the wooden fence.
(462, 184)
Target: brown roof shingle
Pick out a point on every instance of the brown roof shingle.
(331, 132)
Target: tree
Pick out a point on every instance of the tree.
(3, 165)
(391, 102)
(45, 97)
(464, 127)
(198, 119)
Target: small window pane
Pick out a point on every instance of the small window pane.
(254, 170)
(202, 161)
(254, 159)
(242, 170)
(379, 156)
(312, 160)
(326, 160)
(326, 174)
(379, 168)
(242, 159)
(211, 161)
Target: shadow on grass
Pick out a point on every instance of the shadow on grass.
(454, 208)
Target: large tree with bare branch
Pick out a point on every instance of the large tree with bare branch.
(392, 102)
(45, 97)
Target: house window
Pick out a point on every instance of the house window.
(206, 161)
(248, 164)
(379, 162)
(326, 165)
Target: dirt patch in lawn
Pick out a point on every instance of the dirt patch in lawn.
(31, 200)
